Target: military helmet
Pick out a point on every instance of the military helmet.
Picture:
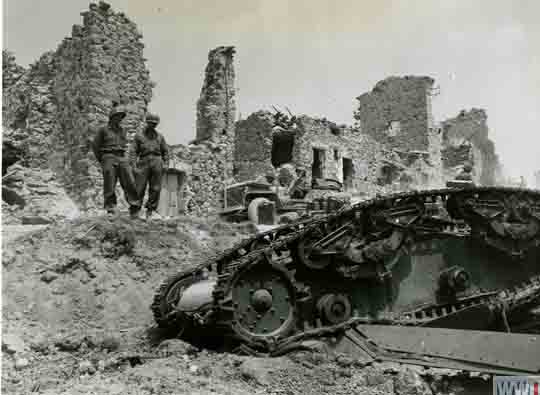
(152, 118)
(117, 109)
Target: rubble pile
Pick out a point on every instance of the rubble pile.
(34, 196)
(75, 295)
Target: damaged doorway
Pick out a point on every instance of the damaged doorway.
(317, 166)
(348, 173)
(282, 148)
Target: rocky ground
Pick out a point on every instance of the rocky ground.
(76, 320)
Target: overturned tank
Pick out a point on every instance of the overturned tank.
(442, 278)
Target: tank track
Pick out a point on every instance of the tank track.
(520, 203)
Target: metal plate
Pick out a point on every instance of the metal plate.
(496, 349)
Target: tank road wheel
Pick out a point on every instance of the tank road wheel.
(334, 309)
(306, 254)
(264, 302)
(168, 295)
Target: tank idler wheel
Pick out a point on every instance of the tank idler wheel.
(168, 296)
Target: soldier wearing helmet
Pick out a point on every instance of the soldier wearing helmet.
(110, 146)
(150, 154)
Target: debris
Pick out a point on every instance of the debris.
(12, 343)
(408, 382)
(176, 347)
(21, 363)
(86, 367)
(35, 220)
(49, 276)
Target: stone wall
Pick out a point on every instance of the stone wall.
(465, 137)
(11, 71)
(397, 112)
(253, 146)
(30, 112)
(57, 106)
(210, 163)
(335, 144)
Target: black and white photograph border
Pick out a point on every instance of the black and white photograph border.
(270, 197)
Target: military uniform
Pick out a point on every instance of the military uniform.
(151, 154)
(109, 147)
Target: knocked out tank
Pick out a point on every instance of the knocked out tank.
(445, 278)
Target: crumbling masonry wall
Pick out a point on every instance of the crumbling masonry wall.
(397, 112)
(211, 154)
(336, 144)
(11, 71)
(253, 146)
(216, 106)
(465, 138)
(29, 112)
(100, 63)
(63, 99)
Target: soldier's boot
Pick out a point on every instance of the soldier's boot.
(152, 215)
(134, 212)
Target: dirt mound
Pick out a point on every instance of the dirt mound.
(91, 281)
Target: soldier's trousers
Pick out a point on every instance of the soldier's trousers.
(116, 167)
(149, 172)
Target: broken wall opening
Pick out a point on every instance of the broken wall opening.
(388, 174)
(348, 173)
(282, 148)
(317, 167)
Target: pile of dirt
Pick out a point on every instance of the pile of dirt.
(85, 282)
(76, 320)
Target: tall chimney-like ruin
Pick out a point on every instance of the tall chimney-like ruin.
(216, 107)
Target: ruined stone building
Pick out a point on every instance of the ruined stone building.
(52, 110)
(465, 138)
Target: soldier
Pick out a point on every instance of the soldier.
(109, 147)
(150, 153)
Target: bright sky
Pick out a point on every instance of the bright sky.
(316, 56)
